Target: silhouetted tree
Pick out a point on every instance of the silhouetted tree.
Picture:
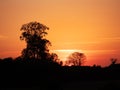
(76, 59)
(55, 58)
(113, 61)
(34, 35)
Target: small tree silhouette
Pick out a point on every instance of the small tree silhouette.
(56, 59)
(113, 61)
(34, 35)
(76, 59)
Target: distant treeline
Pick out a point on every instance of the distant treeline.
(32, 72)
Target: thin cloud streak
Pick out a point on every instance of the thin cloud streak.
(84, 51)
(78, 43)
(3, 37)
(100, 51)
(112, 38)
(87, 42)
(10, 54)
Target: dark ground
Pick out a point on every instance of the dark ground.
(17, 75)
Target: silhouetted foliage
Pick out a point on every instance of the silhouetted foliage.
(76, 59)
(113, 61)
(34, 35)
(55, 58)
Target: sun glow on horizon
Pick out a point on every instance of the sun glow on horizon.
(68, 50)
(92, 56)
(64, 53)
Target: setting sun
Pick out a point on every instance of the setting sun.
(64, 53)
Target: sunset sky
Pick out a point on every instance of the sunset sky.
(88, 26)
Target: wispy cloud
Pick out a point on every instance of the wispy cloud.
(67, 50)
(86, 51)
(3, 37)
(80, 43)
(13, 54)
(112, 38)
(100, 51)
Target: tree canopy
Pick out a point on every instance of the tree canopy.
(76, 59)
(36, 44)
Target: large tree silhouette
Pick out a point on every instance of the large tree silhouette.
(76, 59)
(36, 44)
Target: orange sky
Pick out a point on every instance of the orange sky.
(92, 26)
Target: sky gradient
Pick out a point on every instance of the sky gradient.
(91, 26)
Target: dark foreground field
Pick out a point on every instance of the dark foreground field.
(81, 85)
(47, 76)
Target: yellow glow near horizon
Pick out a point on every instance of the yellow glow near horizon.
(64, 53)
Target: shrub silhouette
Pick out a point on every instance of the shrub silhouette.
(113, 61)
